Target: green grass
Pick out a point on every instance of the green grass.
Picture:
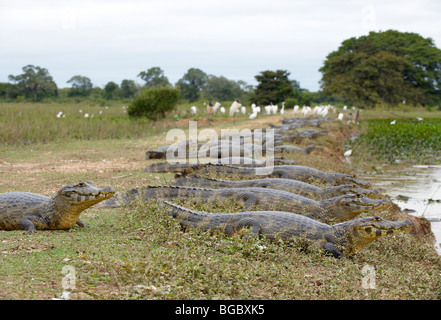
(139, 252)
(406, 140)
(32, 123)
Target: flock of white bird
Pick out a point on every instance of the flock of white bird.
(237, 106)
(272, 109)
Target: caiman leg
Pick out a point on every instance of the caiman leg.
(249, 228)
(280, 173)
(250, 199)
(30, 223)
(81, 223)
(329, 247)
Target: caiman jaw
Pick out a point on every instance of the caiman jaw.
(377, 227)
(359, 203)
(367, 229)
(85, 193)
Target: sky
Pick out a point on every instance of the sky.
(113, 40)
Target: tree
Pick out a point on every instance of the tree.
(35, 83)
(154, 103)
(8, 90)
(81, 86)
(385, 67)
(273, 87)
(222, 89)
(192, 83)
(128, 88)
(111, 90)
(154, 77)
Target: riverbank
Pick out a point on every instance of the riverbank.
(138, 252)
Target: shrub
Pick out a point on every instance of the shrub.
(154, 103)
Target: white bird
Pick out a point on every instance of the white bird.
(86, 115)
(235, 106)
(222, 109)
(324, 111)
(419, 119)
(348, 153)
(268, 109)
(59, 114)
(296, 109)
(393, 122)
(306, 110)
(282, 111)
(243, 110)
(194, 109)
(340, 116)
(253, 115)
(80, 111)
(216, 106)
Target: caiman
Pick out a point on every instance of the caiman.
(32, 211)
(284, 148)
(294, 186)
(296, 172)
(342, 239)
(337, 209)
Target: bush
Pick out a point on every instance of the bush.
(154, 103)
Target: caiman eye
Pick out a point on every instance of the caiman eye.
(81, 184)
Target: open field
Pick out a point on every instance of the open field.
(138, 252)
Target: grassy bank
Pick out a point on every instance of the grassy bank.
(138, 252)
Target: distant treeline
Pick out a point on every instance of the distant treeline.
(36, 84)
(384, 68)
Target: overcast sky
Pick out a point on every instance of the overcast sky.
(112, 40)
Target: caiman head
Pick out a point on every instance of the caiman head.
(82, 195)
(348, 206)
(342, 178)
(362, 231)
(355, 189)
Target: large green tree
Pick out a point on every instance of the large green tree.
(81, 86)
(128, 88)
(384, 67)
(222, 89)
(192, 83)
(111, 90)
(35, 83)
(273, 87)
(154, 77)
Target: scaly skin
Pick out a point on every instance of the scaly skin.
(302, 173)
(334, 210)
(31, 211)
(294, 186)
(290, 148)
(342, 239)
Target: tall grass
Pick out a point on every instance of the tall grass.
(31, 123)
(390, 140)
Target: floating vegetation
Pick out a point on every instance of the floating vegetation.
(391, 141)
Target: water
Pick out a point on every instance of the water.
(416, 188)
